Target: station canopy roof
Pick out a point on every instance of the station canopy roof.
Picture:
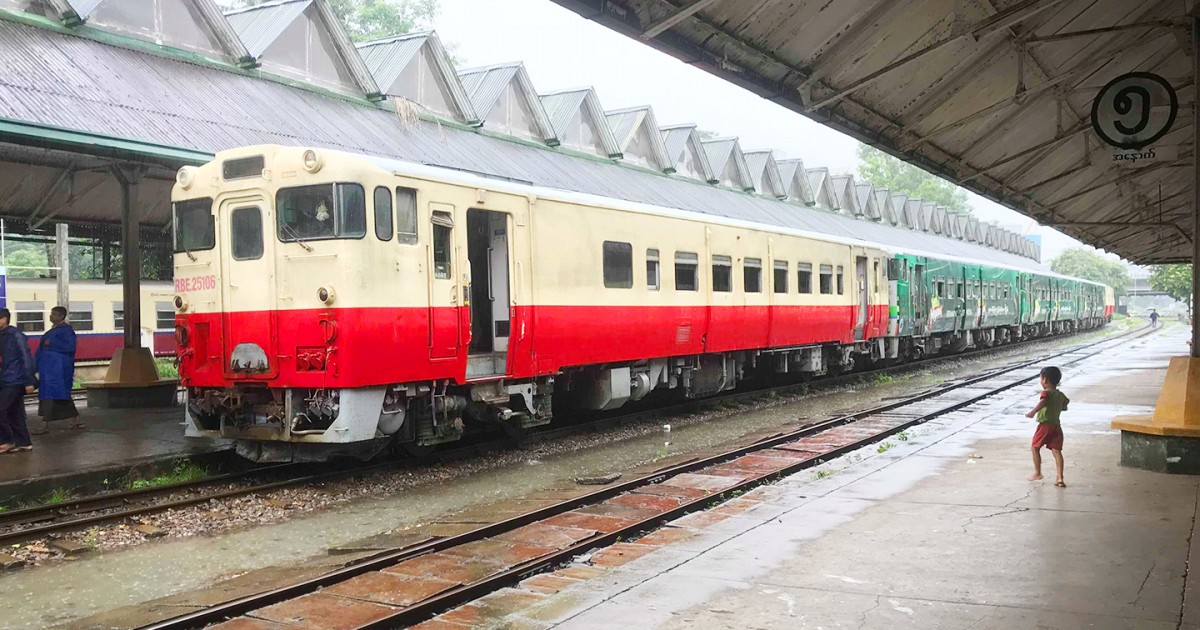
(77, 97)
(994, 95)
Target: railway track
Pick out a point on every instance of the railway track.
(21, 525)
(413, 584)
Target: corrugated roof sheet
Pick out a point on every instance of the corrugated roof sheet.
(125, 93)
(387, 58)
(84, 8)
(259, 26)
(562, 106)
(485, 85)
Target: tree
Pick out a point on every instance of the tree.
(374, 19)
(884, 171)
(1089, 265)
(1174, 280)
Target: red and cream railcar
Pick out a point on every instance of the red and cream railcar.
(332, 303)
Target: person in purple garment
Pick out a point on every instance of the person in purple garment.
(55, 360)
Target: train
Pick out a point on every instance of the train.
(330, 304)
(96, 312)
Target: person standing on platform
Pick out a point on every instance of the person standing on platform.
(16, 378)
(55, 360)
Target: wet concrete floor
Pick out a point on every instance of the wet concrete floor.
(942, 530)
(43, 596)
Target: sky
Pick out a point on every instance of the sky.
(563, 50)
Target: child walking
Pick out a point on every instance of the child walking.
(1049, 430)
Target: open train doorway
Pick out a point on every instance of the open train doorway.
(487, 250)
(864, 298)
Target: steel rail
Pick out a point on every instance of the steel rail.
(425, 609)
(60, 513)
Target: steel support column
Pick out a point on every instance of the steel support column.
(130, 176)
(63, 262)
(1195, 182)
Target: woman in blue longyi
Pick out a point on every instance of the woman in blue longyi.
(56, 370)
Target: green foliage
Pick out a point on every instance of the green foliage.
(1089, 265)
(166, 368)
(884, 378)
(375, 19)
(884, 447)
(58, 495)
(1174, 280)
(183, 472)
(884, 171)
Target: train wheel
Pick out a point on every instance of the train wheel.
(412, 449)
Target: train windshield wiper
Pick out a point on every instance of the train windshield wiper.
(290, 231)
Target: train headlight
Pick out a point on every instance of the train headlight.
(326, 295)
(313, 161)
(185, 177)
(181, 303)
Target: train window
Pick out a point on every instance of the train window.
(383, 213)
(722, 274)
(826, 279)
(940, 289)
(442, 225)
(804, 277)
(686, 277)
(164, 315)
(958, 289)
(246, 233)
(841, 280)
(31, 316)
(80, 315)
(752, 275)
(243, 167)
(618, 265)
(895, 268)
(118, 315)
(352, 211)
(652, 270)
(406, 215)
(194, 228)
(323, 211)
(781, 276)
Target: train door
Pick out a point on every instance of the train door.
(444, 337)
(248, 289)
(864, 297)
(919, 295)
(488, 254)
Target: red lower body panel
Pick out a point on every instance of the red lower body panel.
(374, 346)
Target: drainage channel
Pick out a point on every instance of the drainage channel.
(413, 584)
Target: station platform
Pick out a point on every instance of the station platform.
(940, 530)
(114, 444)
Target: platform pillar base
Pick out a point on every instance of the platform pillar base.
(131, 382)
(1169, 440)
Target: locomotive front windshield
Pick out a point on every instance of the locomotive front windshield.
(194, 229)
(324, 211)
